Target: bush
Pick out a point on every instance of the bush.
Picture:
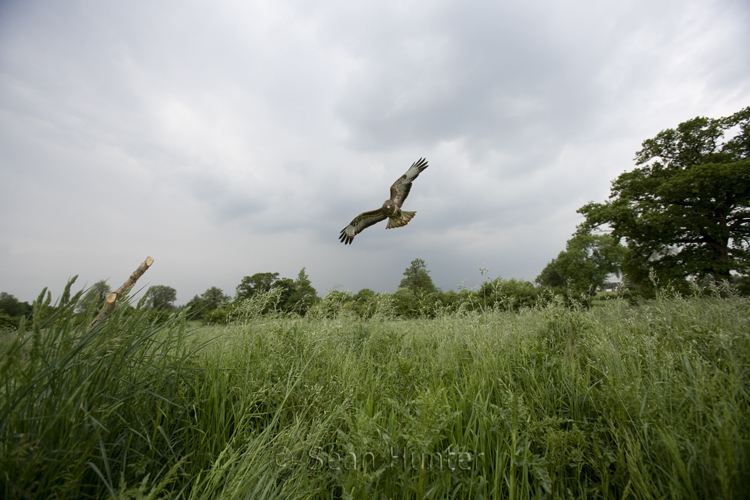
(7, 321)
(333, 305)
(510, 294)
(216, 317)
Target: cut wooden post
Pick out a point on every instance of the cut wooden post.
(112, 298)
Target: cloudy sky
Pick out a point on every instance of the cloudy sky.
(227, 138)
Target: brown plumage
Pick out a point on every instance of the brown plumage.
(391, 208)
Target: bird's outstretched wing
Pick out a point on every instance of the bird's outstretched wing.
(360, 223)
(400, 189)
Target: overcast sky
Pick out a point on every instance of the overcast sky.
(228, 138)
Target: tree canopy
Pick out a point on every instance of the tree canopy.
(585, 264)
(208, 301)
(302, 296)
(417, 278)
(12, 310)
(161, 297)
(258, 282)
(295, 295)
(214, 298)
(14, 307)
(685, 211)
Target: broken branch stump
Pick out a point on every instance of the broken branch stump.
(113, 297)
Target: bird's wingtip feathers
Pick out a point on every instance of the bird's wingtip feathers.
(421, 164)
(345, 238)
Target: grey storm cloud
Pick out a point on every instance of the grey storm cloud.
(473, 70)
(230, 138)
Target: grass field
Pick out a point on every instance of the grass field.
(619, 401)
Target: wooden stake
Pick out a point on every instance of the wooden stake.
(112, 298)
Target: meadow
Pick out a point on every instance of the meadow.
(553, 401)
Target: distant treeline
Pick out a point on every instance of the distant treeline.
(417, 296)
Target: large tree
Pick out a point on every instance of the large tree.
(295, 295)
(257, 283)
(14, 307)
(161, 297)
(302, 295)
(286, 299)
(417, 278)
(214, 298)
(585, 264)
(12, 310)
(685, 211)
(365, 302)
(208, 301)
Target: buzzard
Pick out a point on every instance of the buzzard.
(390, 210)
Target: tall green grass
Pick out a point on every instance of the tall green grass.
(619, 401)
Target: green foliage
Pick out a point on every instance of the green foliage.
(417, 278)
(460, 302)
(285, 286)
(686, 211)
(365, 303)
(584, 264)
(370, 305)
(12, 310)
(74, 400)
(294, 296)
(257, 283)
(302, 295)
(335, 303)
(214, 298)
(219, 316)
(417, 295)
(161, 297)
(195, 308)
(406, 302)
(208, 302)
(272, 294)
(617, 401)
(260, 304)
(8, 321)
(512, 294)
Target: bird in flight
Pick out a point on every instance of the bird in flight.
(391, 208)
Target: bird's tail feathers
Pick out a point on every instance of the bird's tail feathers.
(407, 216)
(404, 220)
